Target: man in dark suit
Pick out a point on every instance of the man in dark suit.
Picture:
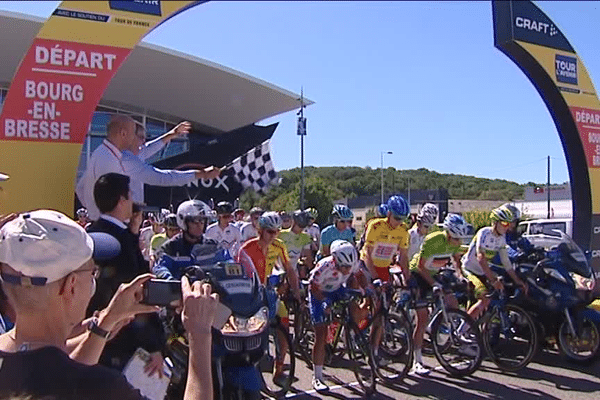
(113, 198)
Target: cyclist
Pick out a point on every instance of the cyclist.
(249, 229)
(264, 251)
(313, 229)
(426, 217)
(517, 244)
(326, 281)
(238, 217)
(339, 230)
(155, 227)
(171, 229)
(438, 249)
(286, 219)
(386, 238)
(190, 246)
(83, 219)
(223, 231)
(298, 243)
(476, 262)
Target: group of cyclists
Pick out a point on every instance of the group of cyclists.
(332, 260)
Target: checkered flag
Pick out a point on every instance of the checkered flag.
(255, 169)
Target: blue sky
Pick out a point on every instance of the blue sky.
(420, 79)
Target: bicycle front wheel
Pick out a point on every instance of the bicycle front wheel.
(456, 342)
(395, 353)
(360, 353)
(509, 337)
(280, 351)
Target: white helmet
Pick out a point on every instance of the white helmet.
(344, 253)
(456, 226)
(191, 208)
(428, 214)
(270, 220)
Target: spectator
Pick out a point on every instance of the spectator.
(113, 197)
(106, 158)
(189, 247)
(46, 264)
(142, 173)
(223, 231)
(249, 229)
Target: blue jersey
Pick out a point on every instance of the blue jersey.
(331, 233)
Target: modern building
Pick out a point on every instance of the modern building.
(160, 87)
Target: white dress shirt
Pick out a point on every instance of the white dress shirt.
(105, 159)
(140, 172)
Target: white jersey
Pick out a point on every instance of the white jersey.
(248, 231)
(486, 242)
(315, 233)
(415, 241)
(326, 276)
(145, 238)
(229, 238)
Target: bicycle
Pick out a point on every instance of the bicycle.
(277, 332)
(454, 336)
(509, 333)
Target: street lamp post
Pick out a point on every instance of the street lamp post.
(382, 153)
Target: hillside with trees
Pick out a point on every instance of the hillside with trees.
(323, 185)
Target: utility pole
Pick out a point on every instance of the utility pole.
(382, 153)
(548, 188)
(301, 132)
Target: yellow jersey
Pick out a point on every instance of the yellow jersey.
(384, 241)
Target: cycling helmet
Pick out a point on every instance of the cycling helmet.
(398, 206)
(191, 209)
(171, 220)
(344, 253)
(284, 215)
(340, 211)
(502, 213)
(224, 207)
(82, 213)
(515, 211)
(428, 214)
(456, 226)
(269, 220)
(382, 210)
(312, 212)
(301, 218)
(256, 211)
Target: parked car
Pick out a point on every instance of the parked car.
(542, 232)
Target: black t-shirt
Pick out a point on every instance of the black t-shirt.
(50, 373)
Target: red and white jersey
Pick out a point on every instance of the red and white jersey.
(326, 276)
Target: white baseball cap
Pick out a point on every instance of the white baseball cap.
(46, 245)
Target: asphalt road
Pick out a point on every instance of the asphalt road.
(547, 377)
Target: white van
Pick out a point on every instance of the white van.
(541, 232)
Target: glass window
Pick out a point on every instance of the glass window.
(99, 122)
(547, 228)
(175, 147)
(154, 128)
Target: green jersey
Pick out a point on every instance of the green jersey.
(295, 243)
(436, 251)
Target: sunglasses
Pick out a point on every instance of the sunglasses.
(196, 220)
(504, 224)
(398, 218)
(271, 231)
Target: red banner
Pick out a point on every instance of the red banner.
(588, 124)
(61, 83)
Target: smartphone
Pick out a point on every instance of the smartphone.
(161, 292)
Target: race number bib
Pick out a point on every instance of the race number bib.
(384, 251)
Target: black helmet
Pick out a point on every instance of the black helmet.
(171, 220)
(301, 218)
(224, 207)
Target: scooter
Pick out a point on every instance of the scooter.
(561, 283)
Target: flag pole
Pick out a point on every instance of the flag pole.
(302, 133)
